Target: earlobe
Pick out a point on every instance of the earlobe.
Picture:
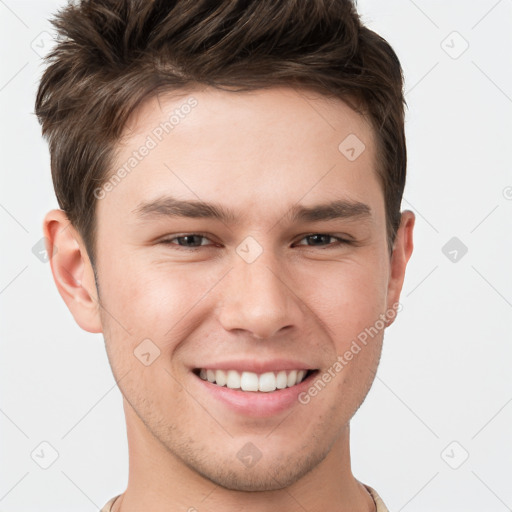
(402, 251)
(72, 270)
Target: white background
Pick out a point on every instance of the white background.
(445, 371)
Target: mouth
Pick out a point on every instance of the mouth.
(251, 382)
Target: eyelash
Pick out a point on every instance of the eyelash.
(339, 240)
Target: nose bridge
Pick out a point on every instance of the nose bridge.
(256, 297)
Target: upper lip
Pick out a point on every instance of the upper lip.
(251, 365)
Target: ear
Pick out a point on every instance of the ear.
(72, 270)
(402, 250)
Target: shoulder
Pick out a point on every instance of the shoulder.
(108, 506)
(381, 507)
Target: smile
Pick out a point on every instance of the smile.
(256, 382)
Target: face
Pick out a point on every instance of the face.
(278, 263)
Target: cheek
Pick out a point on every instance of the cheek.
(157, 301)
(141, 314)
(347, 297)
(349, 305)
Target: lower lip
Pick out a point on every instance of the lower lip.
(257, 403)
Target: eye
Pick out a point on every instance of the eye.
(187, 240)
(322, 239)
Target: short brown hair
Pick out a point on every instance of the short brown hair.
(111, 55)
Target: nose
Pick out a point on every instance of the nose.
(258, 298)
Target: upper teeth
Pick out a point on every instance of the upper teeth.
(249, 381)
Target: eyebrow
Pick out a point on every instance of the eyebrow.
(172, 207)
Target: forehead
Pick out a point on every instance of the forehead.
(266, 148)
(285, 111)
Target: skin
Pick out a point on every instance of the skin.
(258, 153)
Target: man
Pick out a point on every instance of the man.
(230, 176)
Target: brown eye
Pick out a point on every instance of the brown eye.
(323, 240)
(186, 241)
